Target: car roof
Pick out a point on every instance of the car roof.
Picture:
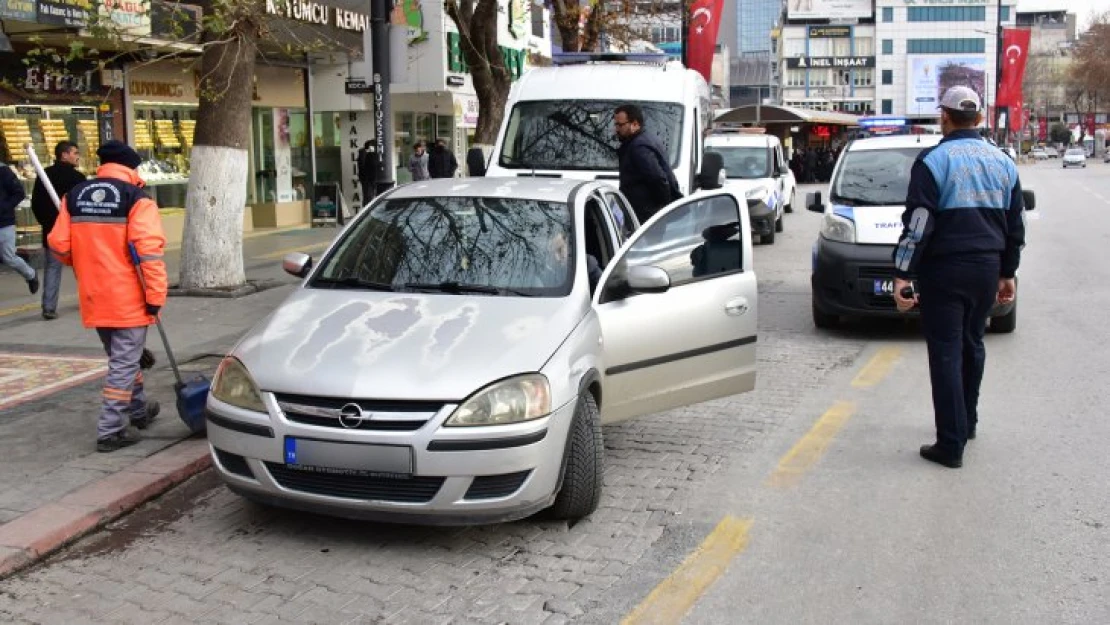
(741, 139)
(542, 189)
(645, 82)
(895, 142)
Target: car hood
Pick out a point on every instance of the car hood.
(875, 225)
(403, 346)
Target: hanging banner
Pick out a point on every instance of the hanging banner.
(19, 10)
(1015, 46)
(68, 13)
(705, 21)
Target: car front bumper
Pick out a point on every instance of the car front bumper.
(458, 476)
(844, 280)
(762, 217)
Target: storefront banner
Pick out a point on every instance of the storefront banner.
(466, 111)
(356, 128)
(931, 76)
(132, 17)
(21, 10)
(821, 62)
(63, 12)
(283, 156)
(827, 9)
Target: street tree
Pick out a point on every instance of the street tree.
(1089, 80)
(587, 25)
(476, 21)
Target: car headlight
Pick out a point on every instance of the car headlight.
(233, 385)
(515, 400)
(837, 228)
(758, 194)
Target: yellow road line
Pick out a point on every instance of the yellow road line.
(299, 248)
(674, 596)
(807, 451)
(877, 368)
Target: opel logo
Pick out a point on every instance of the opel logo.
(351, 416)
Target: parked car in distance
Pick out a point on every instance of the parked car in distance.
(1075, 157)
(1039, 154)
(1052, 153)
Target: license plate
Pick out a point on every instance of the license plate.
(884, 287)
(347, 458)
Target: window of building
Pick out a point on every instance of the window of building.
(888, 14)
(945, 46)
(888, 46)
(794, 48)
(864, 77)
(820, 47)
(841, 47)
(947, 14)
(795, 78)
(888, 107)
(865, 46)
(1005, 14)
(819, 78)
(888, 77)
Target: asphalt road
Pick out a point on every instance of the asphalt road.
(802, 502)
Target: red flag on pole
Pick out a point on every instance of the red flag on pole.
(1015, 50)
(701, 41)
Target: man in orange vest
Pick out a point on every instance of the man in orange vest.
(99, 220)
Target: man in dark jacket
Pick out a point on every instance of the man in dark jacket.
(646, 177)
(442, 162)
(63, 176)
(367, 163)
(11, 194)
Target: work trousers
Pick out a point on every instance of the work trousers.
(957, 294)
(51, 280)
(123, 396)
(10, 258)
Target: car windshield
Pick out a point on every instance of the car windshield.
(874, 177)
(479, 245)
(1075, 152)
(578, 134)
(744, 162)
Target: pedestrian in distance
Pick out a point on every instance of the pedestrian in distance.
(962, 241)
(646, 177)
(63, 175)
(99, 221)
(418, 162)
(367, 162)
(442, 162)
(11, 195)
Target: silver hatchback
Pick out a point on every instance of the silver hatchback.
(453, 355)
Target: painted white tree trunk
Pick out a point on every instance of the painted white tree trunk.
(212, 245)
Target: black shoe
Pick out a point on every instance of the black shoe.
(117, 441)
(146, 361)
(49, 314)
(152, 410)
(971, 433)
(33, 284)
(932, 453)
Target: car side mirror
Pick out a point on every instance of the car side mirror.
(814, 203)
(1030, 199)
(712, 171)
(648, 279)
(297, 264)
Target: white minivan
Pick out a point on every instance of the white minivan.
(756, 168)
(559, 120)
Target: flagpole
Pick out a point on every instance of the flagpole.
(998, 78)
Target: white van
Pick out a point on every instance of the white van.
(559, 120)
(756, 168)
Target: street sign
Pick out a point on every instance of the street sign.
(357, 85)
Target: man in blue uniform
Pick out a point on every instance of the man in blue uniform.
(962, 242)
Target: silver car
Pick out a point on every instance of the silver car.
(453, 355)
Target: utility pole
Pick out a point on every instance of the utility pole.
(383, 110)
(1000, 133)
(684, 35)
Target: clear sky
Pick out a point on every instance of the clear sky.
(1082, 8)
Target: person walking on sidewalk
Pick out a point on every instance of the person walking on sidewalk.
(442, 162)
(64, 176)
(11, 194)
(418, 163)
(98, 222)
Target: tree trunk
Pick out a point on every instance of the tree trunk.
(477, 24)
(212, 244)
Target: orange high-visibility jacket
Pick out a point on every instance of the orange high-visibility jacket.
(97, 221)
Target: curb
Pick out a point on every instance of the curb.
(35, 535)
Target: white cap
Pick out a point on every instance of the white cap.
(961, 99)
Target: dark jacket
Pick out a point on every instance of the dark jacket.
(442, 162)
(11, 194)
(646, 178)
(964, 198)
(64, 177)
(367, 161)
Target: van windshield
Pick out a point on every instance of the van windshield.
(579, 135)
(874, 177)
(744, 162)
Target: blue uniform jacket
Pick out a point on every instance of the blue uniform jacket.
(964, 198)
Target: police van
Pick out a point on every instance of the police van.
(559, 120)
(853, 266)
(756, 168)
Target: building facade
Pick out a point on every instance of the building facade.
(829, 67)
(753, 74)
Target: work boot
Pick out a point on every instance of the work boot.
(150, 413)
(33, 284)
(117, 441)
(934, 453)
(49, 315)
(146, 361)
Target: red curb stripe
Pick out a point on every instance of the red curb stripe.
(35, 535)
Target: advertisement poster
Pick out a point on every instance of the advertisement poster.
(21, 10)
(931, 76)
(283, 156)
(131, 17)
(827, 9)
(63, 12)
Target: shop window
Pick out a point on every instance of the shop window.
(945, 46)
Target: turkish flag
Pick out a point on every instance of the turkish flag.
(1042, 129)
(1018, 115)
(701, 41)
(1015, 50)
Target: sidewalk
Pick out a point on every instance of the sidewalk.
(55, 486)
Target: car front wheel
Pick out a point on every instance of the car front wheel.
(1004, 324)
(582, 470)
(790, 205)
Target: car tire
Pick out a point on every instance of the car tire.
(778, 224)
(1004, 324)
(580, 490)
(790, 204)
(823, 320)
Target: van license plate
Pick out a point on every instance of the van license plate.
(884, 287)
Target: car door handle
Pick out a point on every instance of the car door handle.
(737, 307)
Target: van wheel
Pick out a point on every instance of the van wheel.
(778, 224)
(823, 320)
(769, 238)
(1004, 324)
(790, 204)
(582, 471)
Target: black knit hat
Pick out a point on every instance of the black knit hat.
(115, 151)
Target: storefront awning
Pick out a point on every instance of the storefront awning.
(776, 114)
